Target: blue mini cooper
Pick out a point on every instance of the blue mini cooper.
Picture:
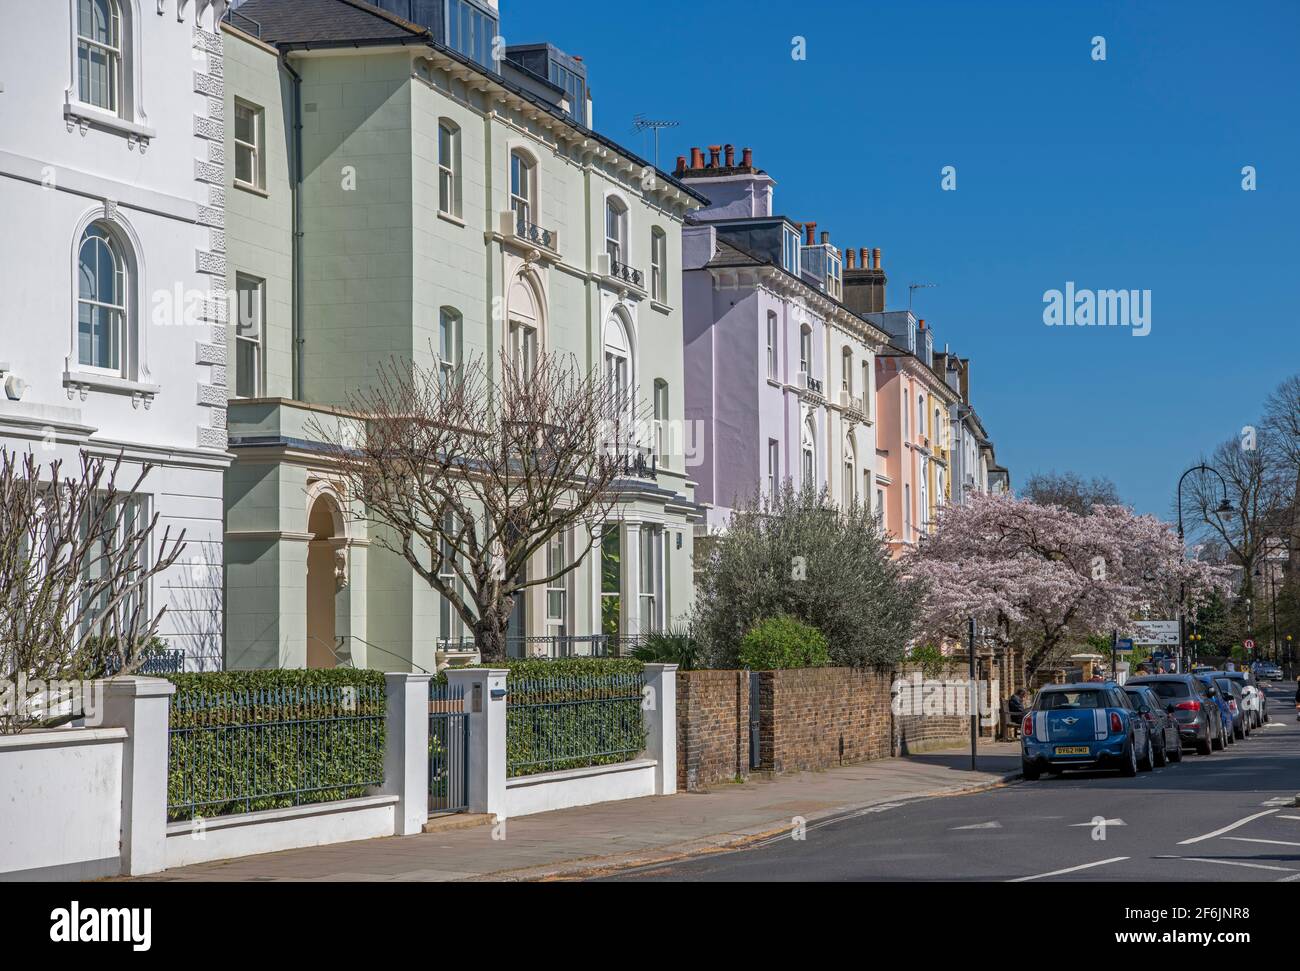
(1084, 726)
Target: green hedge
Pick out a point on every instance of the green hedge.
(572, 713)
(783, 642)
(243, 741)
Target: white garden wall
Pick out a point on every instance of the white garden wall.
(61, 804)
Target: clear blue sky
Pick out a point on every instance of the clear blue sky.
(1116, 174)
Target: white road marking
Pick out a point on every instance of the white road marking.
(1288, 817)
(1227, 829)
(1102, 822)
(1287, 801)
(1253, 866)
(990, 825)
(1073, 869)
(1291, 879)
(1247, 839)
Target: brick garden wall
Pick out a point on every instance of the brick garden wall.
(712, 727)
(809, 719)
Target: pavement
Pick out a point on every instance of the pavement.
(1226, 817)
(593, 841)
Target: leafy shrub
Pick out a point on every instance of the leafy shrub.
(799, 554)
(930, 658)
(783, 642)
(243, 741)
(674, 646)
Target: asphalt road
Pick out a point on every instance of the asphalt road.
(1228, 816)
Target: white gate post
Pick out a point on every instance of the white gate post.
(406, 749)
(485, 704)
(142, 706)
(659, 710)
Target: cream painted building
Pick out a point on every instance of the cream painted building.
(394, 191)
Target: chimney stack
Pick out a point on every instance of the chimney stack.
(681, 164)
(849, 258)
(730, 155)
(697, 159)
(714, 152)
(921, 323)
(876, 255)
(747, 158)
(826, 238)
(866, 258)
(864, 284)
(811, 230)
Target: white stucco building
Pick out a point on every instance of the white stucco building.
(113, 264)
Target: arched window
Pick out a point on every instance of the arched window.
(102, 302)
(938, 429)
(618, 368)
(850, 470)
(523, 188)
(809, 453)
(658, 265)
(846, 373)
(525, 327)
(805, 349)
(449, 192)
(920, 416)
(449, 344)
(100, 54)
(616, 230)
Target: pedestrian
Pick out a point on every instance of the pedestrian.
(1016, 703)
(1142, 669)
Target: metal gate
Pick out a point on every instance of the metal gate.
(448, 749)
(755, 757)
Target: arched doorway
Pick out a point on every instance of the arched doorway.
(325, 525)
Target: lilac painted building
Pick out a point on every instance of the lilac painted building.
(779, 373)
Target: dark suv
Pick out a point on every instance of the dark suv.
(1187, 698)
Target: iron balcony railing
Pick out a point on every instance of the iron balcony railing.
(552, 645)
(628, 274)
(535, 234)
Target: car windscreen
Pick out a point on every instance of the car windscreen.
(1170, 689)
(1053, 700)
(1225, 685)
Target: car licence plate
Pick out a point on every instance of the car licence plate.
(1072, 750)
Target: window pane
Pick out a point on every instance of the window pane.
(244, 164)
(246, 368)
(245, 129)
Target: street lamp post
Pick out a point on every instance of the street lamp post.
(1224, 507)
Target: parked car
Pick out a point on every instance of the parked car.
(1268, 671)
(1162, 726)
(1200, 724)
(1225, 712)
(1231, 691)
(1084, 726)
(1253, 698)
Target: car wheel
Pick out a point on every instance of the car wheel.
(1130, 767)
(1029, 771)
(1162, 754)
(1219, 744)
(1204, 746)
(1178, 751)
(1239, 732)
(1148, 760)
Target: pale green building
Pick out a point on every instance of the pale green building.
(389, 195)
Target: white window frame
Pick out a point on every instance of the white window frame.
(451, 626)
(660, 405)
(773, 345)
(450, 321)
(253, 148)
(119, 314)
(113, 52)
(557, 555)
(773, 466)
(524, 345)
(658, 265)
(449, 193)
(805, 349)
(523, 187)
(616, 218)
(242, 339)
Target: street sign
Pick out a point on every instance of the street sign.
(1160, 632)
(1248, 644)
(1124, 646)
